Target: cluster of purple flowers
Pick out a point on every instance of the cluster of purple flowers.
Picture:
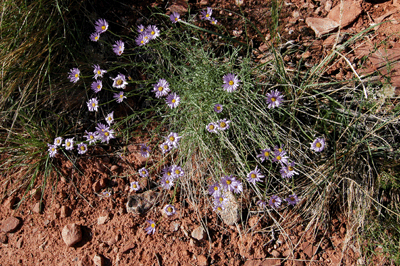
(161, 88)
(170, 174)
(146, 34)
(219, 191)
(206, 15)
(278, 155)
(101, 26)
(222, 124)
(68, 145)
(275, 201)
(171, 142)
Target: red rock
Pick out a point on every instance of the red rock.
(71, 234)
(3, 238)
(202, 260)
(98, 260)
(10, 224)
(9, 202)
(321, 25)
(37, 208)
(271, 262)
(198, 233)
(114, 168)
(96, 186)
(298, 263)
(309, 249)
(64, 212)
(275, 253)
(346, 13)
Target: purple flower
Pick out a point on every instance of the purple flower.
(219, 207)
(169, 210)
(167, 172)
(142, 39)
(91, 137)
(274, 99)
(144, 151)
(143, 172)
(237, 187)
(218, 108)
(74, 75)
(106, 194)
(265, 153)
(215, 189)
(275, 201)
(110, 118)
(227, 182)
(288, 171)
(140, 28)
(318, 145)
(94, 36)
(58, 141)
(165, 147)
(93, 104)
(134, 186)
(280, 149)
(220, 199)
(119, 97)
(119, 81)
(292, 199)
(255, 176)
(152, 31)
(101, 25)
(280, 157)
(104, 132)
(223, 124)
(262, 204)
(212, 127)
(82, 148)
(173, 139)
(97, 86)
(52, 149)
(213, 21)
(177, 171)
(161, 88)
(206, 14)
(98, 72)
(173, 100)
(166, 183)
(152, 228)
(231, 82)
(175, 17)
(118, 47)
(69, 144)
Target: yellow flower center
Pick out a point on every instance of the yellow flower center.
(98, 86)
(177, 172)
(292, 199)
(169, 209)
(169, 173)
(215, 188)
(218, 108)
(231, 82)
(221, 199)
(58, 141)
(290, 168)
(278, 157)
(98, 72)
(172, 138)
(94, 104)
(219, 208)
(318, 145)
(228, 182)
(143, 172)
(68, 144)
(96, 38)
(109, 118)
(134, 186)
(76, 75)
(52, 149)
(173, 101)
(207, 15)
(91, 137)
(121, 96)
(106, 134)
(166, 147)
(119, 82)
(266, 154)
(222, 124)
(142, 42)
(273, 99)
(211, 127)
(273, 200)
(167, 181)
(160, 88)
(153, 225)
(176, 19)
(153, 32)
(253, 175)
(82, 148)
(103, 27)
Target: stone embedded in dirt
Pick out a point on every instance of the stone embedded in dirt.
(140, 203)
(38, 207)
(71, 234)
(302, 263)
(231, 214)
(345, 13)
(275, 253)
(309, 249)
(328, 5)
(98, 260)
(174, 226)
(321, 25)
(64, 211)
(20, 242)
(202, 260)
(3, 238)
(198, 233)
(96, 186)
(114, 168)
(10, 202)
(10, 224)
(103, 219)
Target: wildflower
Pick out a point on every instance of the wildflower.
(119, 81)
(91, 137)
(280, 149)
(142, 39)
(275, 201)
(166, 183)
(140, 28)
(101, 25)
(223, 124)
(280, 157)
(152, 31)
(152, 228)
(119, 97)
(212, 127)
(173, 100)
(134, 186)
(215, 189)
(227, 182)
(288, 171)
(165, 147)
(318, 145)
(167, 172)
(237, 187)
(58, 141)
(104, 132)
(265, 153)
(175, 17)
(143, 172)
(97, 86)
(106, 194)
(93, 104)
(144, 151)
(262, 204)
(292, 199)
(118, 47)
(218, 207)
(221, 199)
(98, 72)
(110, 118)
(52, 149)
(274, 99)
(82, 148)
(177, 171)
(173, 139)
(161, 88)
(206, 14)
(94, 36)
(213, 21)
(231, 82)
(74, 75)
(169, 210)
(218, 108)
(69, 144)
(255, 176)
